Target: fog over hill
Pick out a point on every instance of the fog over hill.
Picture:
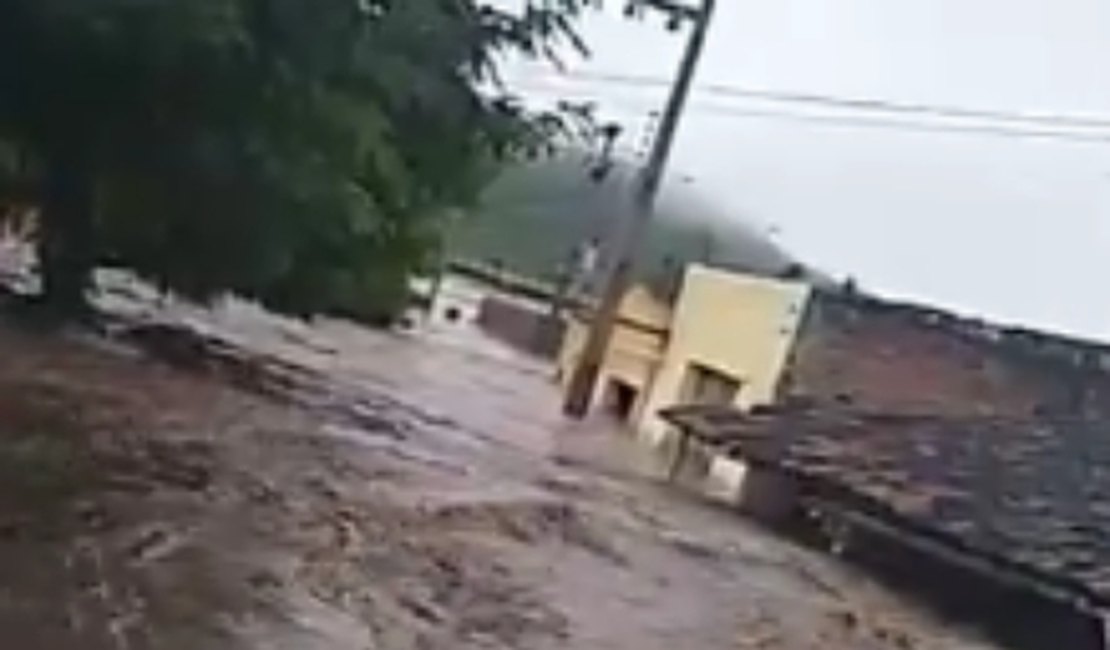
(533, 216)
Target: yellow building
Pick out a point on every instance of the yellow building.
(637, 349)
(726, 339)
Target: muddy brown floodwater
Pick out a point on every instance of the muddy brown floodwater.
(416, 491)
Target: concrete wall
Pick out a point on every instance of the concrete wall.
(738, 325)
(520, 321)
(861, 354)
(455, 294)
(532, 329)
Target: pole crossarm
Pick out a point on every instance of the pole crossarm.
(673, 8)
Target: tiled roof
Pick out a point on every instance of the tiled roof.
(1031, 495)
(1031, 344)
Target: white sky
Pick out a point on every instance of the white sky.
(1013, 229)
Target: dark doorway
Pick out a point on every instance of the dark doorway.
(620, 398)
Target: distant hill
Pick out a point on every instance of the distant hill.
(533, 216)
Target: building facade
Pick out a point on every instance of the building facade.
(729, 341)
(724, 339)
(634, 356)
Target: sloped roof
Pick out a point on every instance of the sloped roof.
(1031, 496)
(1065, 351)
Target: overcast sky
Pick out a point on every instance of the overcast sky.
(1013, 229)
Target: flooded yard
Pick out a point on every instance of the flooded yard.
(415, 491)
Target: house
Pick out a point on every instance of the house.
(947, 450)
(636, 351)
(748, 341)
(1002, 519)
(724, 338)
(743, 341)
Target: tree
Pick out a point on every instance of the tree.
(300, 152)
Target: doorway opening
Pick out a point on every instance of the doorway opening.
(620, 399)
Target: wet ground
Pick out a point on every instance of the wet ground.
(416, 491)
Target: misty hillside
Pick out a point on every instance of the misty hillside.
(532, 217)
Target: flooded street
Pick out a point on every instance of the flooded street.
(423, 493)
(305, 306)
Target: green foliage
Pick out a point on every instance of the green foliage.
(298, 151)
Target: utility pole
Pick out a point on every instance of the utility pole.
(627, 241)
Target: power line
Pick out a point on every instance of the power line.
(868, 105)
(877, 122)
(889, 121)
(832, 101)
